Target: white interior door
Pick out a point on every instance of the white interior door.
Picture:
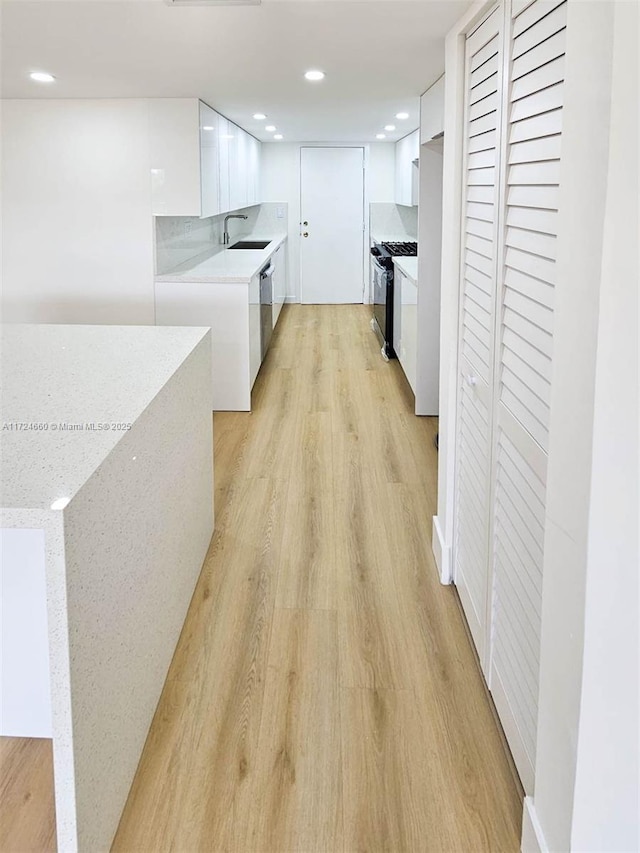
(332, 229)
(527, 278)
(483, 94)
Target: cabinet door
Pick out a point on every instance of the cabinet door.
(253, 170)
(175, 156)
(279, 260)
(223, 164)
(401, 156)
(275, 283)
(238, 184)
(409, 326)
(209, 166)
(432, 111)
(255, 335)
(407, 150)
(398, 284)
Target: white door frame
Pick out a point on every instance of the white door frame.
(365, 207)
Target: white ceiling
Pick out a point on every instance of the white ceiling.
(378, 55)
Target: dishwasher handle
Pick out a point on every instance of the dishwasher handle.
(268, 271)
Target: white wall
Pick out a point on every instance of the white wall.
(76, 224)
(606, 814)
(280, 178)
(586, 763)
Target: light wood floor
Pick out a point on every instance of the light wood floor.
(324, 695)
(27, 814)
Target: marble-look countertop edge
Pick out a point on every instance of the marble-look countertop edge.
(27, 514)
(254, 259)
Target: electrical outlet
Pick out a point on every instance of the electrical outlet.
(187, 227)
(279, 212)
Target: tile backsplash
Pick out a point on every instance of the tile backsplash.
(184, 238)
(387, 219)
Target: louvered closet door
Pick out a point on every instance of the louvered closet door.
(527, 281)
(483, 71)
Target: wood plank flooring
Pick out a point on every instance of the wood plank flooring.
(27, 813)
(324, 696)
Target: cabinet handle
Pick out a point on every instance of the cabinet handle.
(305, 234)
(471, 380)
(305, 224)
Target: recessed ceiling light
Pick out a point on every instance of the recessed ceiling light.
(314, 75)
(402, 116)
(389, 127)
(259, 116)
(207, 127)
(42, 77)
(381, 136)
(270, 127)
(277, 136)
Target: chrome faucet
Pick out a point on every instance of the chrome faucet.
(225, 236)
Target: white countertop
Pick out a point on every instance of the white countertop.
(229, 266)
(76, 375)
(409, 266)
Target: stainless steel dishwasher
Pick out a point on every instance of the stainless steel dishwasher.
(266, 310)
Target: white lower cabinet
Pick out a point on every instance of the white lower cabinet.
(405, 324)
(279, 260)
(255, 334)
(233, 313)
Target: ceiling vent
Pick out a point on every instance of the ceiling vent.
(213, 2)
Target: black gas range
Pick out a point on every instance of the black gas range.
(382, 255)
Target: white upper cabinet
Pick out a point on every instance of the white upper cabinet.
(202, 164)
(253, 170)
(407, 151)
(175, 156)
(224, 144)
(238, 165)
(209, 174)
(244, 168)
(432, 112)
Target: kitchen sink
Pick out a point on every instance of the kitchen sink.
(250, 244)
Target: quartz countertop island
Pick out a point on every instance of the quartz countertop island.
(106, 517)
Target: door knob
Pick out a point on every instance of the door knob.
(471, 380)
(305, 234)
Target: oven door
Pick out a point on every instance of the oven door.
(379, 286)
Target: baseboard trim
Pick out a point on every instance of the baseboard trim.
(441, 553)
(533, 840)
(291, 299)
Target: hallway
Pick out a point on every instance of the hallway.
(324, 695)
